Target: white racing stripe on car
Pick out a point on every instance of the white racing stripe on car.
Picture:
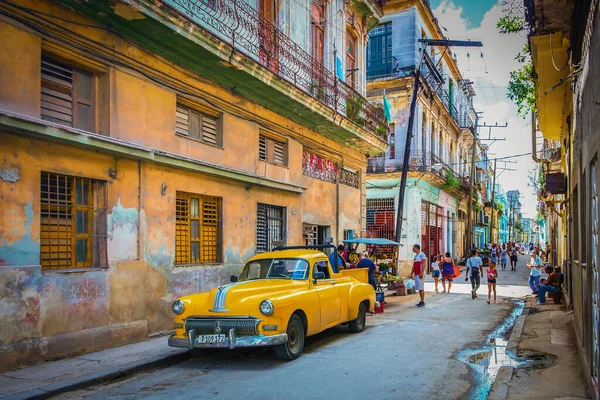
(219, 301)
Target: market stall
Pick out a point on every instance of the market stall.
(383, 252)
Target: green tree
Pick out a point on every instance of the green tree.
(521, 87)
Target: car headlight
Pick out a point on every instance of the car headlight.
(178, 306)
(266, 307)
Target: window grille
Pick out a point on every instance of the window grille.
(270, 226)
(381, 204)
(67, 96)
(72, 222)
(196, 125)
(318, 167)
(198, 226)
(349, 178)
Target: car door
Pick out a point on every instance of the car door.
(329, 295)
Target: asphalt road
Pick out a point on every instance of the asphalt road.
(404, 353)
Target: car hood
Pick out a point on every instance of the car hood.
(243, 298)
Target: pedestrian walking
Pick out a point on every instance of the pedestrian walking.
(494, 253)
(503, 256)
(435, 265)
(447, 271)
(474, 264)
(535, 265)
(492, 275)
(418, 272)
(514, 251)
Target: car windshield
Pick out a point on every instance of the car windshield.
(278, 268)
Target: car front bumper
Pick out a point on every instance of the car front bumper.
(231, 341)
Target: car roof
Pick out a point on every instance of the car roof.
(306, 254)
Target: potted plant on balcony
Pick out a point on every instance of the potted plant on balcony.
(353, 110)
(317, 90)
(452, 181)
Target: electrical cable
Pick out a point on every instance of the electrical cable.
(552, 56)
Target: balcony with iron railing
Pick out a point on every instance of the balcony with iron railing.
(421, 161)
(388, 68)
(226, 40)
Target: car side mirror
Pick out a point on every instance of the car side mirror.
(319, 275)
(233, 278)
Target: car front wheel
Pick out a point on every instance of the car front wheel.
(295, 344)
(358, 325)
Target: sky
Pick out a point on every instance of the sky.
(489, 68)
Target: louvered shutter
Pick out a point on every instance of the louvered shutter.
(262, 148)
(279, 153)
(57, 92)
(182, 121)
(210, 132)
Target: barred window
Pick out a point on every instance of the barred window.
(198, 229)
(199, 126)
(72, 222)
(272, 151)
(270, 227)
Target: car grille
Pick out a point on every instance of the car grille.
(206, 326)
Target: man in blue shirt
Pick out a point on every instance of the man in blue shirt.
(364, 262)
(336, 260)
(474, 264)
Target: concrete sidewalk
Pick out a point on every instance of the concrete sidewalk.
(52, 378)
(543, 338)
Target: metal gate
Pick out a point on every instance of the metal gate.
(432, 217)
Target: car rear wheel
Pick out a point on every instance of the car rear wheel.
(358, 325)
(295, 344)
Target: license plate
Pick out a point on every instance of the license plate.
(211, 338)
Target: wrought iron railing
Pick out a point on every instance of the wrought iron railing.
(424, 161)
(241, 26)
(466, 122)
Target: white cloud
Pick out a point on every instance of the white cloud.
(490, 75)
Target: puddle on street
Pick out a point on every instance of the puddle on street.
(485, 362)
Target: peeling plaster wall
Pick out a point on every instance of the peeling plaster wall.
(53, 314)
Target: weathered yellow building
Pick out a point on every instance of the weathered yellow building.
(148, 148)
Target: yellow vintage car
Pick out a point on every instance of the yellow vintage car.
(279, 298)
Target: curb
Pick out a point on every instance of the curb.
(499, 389)
(97, 378)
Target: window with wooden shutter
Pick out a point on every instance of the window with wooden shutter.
(272, 151)
(72, 222)
(199, 126)
(198, 226)
(67, 95)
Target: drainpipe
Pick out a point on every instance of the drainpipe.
(534, 140)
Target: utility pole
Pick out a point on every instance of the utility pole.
(496, 175)
(470, 203)
(411, 118)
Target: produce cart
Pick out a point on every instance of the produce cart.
(383, 252)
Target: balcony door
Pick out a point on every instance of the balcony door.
(267, 34)
(379, 51)
(351, 55)
(317, 51)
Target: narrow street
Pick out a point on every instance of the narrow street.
(406, 353)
